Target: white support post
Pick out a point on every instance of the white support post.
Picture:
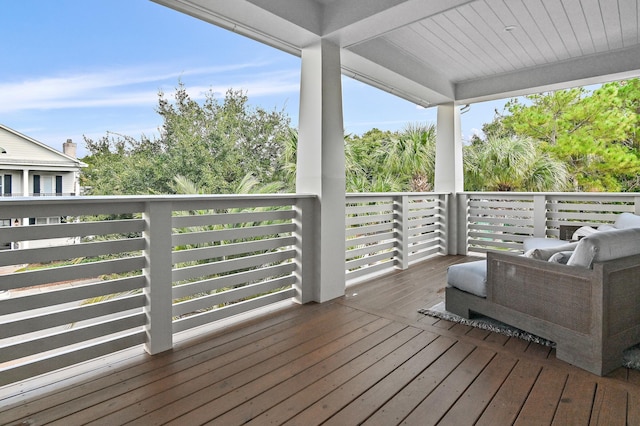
(320, 168)
(25, 183)
(305, 258)
(157, 273)
(401, 203)
(462, 226)
(449, 175)
(540, 215)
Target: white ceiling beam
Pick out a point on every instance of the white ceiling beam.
(593, 69)
(247, 19)
(348, 23)
(408, 68)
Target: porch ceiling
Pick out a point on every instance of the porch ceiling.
(434, 51)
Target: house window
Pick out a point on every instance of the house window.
(45, 220)
(47, 185)
(5, 185)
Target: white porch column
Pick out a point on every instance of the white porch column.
(449, 171)
(320, 168)
(25, 183)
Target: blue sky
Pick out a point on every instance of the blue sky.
(87, 67)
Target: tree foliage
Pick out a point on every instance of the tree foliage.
(511, 164)
(594, 133)
(384, 161)
(213, 144)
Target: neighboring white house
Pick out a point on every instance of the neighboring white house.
(31, 168)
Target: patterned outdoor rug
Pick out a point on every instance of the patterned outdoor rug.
(631, 355)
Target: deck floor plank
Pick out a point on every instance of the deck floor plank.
(576, 401)
(607, 406)
(404, 402)
(370, 401)
(367, 358)
(508, 401)
(261, 403)
(147, 398)
(475, 399)
(90, 406)
(542, 402)
(294, 404)
(338, 398)
(438, 403)
(212, 400)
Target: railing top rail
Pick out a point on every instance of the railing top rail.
(146, 198)
(392, 194)
(554, 194)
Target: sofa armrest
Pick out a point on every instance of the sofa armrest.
(552, 292)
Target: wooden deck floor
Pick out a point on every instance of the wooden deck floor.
(368, 358)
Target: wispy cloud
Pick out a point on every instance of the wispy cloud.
(135, 86)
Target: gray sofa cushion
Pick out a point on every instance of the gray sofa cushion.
(606, 245)
(546, 253)
(470, 277)
(541, 243)
(627, 220)
(561, 257)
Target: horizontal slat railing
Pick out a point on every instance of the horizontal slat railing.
(389, 231)
(500, 221)
(83, 288)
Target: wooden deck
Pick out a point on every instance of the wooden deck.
(368, 358)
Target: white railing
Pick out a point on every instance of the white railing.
(139, 269)
(206, 257)
(389, 231)
(135, 270)
(500, 221)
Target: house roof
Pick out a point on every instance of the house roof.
(22, 150)
(435, 51)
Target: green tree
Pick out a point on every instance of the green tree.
(213, 144)
(384, 161)
(511, 164)
(593, 133)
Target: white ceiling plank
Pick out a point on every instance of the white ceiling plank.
(407, 12)
(438, 26)
(491, 35)
(574, 12)
(612, 24)
(473, 31)
(629, 21)
(549, 31)
(436, 49)
(488, 15)
(592, 69)
(532, 29)
(378, 52)
(593, 15)
(519, 34)
(561, 23)
(422, 48)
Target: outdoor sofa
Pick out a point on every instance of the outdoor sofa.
(586, 299)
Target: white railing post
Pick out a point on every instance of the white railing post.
(306, 274)
(540, 215)
(401, 213)
(157, 273)
(461, 237)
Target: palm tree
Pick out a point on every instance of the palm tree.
(512, 164)
(410, 155)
